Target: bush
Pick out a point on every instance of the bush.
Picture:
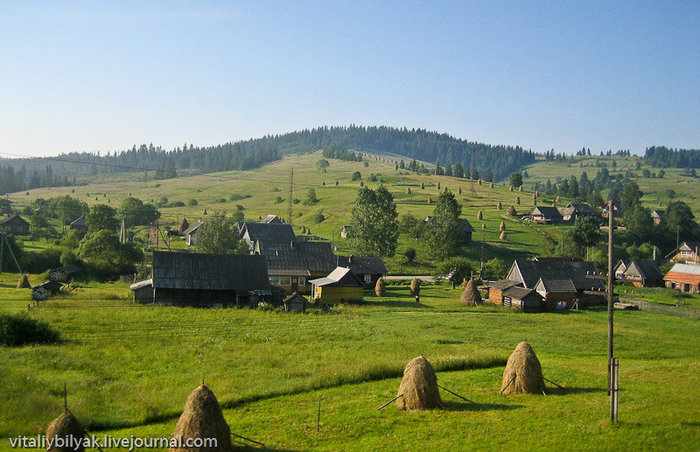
(457, 268)
(192, 202)
(410, 255)
(279, 200)
(175, 204)
(357, 175)
(319, 217)
(21, 329)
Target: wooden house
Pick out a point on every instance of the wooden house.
(290, 265)
(544, 214)
(562, 281)
(657, 216)
(267, 233)
(80, 225)
(619, 270)
(272, 219)
(295, 303)
(193, 279)
(576, 210)
(686, 253)
(643, 273)
(345, 231)
(14, 224)
(527, 300)
(496, 289)
(367, 269)
(190, 233)
(340, 286)
(684, 277)
(465, 228)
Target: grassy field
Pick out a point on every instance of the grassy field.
(129, 369)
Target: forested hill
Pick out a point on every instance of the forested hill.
(663, 157)
(69, 169)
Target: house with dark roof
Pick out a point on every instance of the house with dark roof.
(545, 214)
(562, 281)
(686, 253)
(619, 270)
(190, 233)
(465, 228)
(684, 277)
(291, 264)
(340, 286)
(193, 279)
(643, 273)
(368, 269)
(267, 233)
(80, 225)
(576, 210)
(496, 289)
(14, 224)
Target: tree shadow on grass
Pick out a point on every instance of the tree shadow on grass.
(466, 406)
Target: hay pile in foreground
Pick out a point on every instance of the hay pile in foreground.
(419, 387)
(202, 418)
(66, 426)
(524, 366)
(471, 295)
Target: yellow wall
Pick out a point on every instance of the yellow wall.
(333, 295)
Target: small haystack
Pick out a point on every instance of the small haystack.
(422, 186)
(512, 212)
(430, 200)
(183, 226)
(336, 183)
(479, 215)
(503, 235)
(520, 188)
(558, 198)
(491, 185)
(205, 212)
(66, 425)
(302, 230)
(479, 181)
(459, 190)
(502, 226)
(517, 199)
(499, 206)
(362, 184)
(438, 186)
(415, 286)
(419, 387)
(408, 191)
(483, 225)
(464, 283)
(510, 188)
(471, 295)
(202, 418)
(380, 287)
(523, 373)
(24, 282)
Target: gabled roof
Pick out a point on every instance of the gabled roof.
(556, 268)
(580, 207)
(272, 219)
(687, 246)
(621, 266)
(685, 273)
(363, 265)
(192, 228)
(341, 276)
(209, 271)
(646, 268)
(80, 221)
(520, 293)
(267, 232)
(657, 214)
(503, 284)
(555, 286)
(13, 218)
(295, 296)
(302, 258)
(546, 212)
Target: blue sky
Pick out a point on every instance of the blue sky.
(103, 76)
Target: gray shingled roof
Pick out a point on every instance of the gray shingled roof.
(209, 271)
(503, 284)
(363, 265)
(13, 217)
(520, 293)
(547, 212)
(647, 268)
(556, 285)
(558, 268)
(298, 257)
(267, 232)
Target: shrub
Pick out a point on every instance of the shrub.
(357, 175)
(410, 254)
(192, 202)
(21, 329)
(279, 200)
(319, 217)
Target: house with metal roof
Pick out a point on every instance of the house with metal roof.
(643, 273)
(684, 277)
(368, 269)
(576, 210)
(340, 286)
(193, 279)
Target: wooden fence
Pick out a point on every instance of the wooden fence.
(662, 308)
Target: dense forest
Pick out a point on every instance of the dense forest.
(663, 157)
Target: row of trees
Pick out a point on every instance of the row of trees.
(663, 157)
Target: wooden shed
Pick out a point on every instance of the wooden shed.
(80, 225)
(193, 279)
(295, 303)
(496, 289)
(340, 286)
(527, 300)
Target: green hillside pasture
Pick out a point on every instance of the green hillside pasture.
(131, 367)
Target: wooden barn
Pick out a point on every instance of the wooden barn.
(295, 303)
(576, 210)
(496, 289)
(544, 214)
(192, 279)
(684, 277)
(465, 228)
(527, 300)
(340, 286)
(643, 273)
(367, 269)
(14, 224)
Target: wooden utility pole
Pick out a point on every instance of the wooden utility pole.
(611, 280)
(291, 193)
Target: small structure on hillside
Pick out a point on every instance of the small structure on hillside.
(345, 231)
(684, 277)
(686, 253)
(546, 215)
(14, 224)
(465, 228)
(471, 295)
(576, 210)
(340, 286)
(295, 303)
(80, 225)
(194, 279)
(368, 269)
(419, 388)
(191, 232)
(657, 216)
(496, 289)
(643, 273)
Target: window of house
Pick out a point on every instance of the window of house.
(302, 281)
(285, 281)
(368, 279)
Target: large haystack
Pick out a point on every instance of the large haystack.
(380, 287)
(503, 235)
(24, 282)
(66, 426)
(471, 295)
(202, 418)
(524, 370)
(419, 387)
(415, 286)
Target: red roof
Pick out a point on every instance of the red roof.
(686, 278)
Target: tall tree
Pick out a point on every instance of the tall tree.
(375, 227)
(443, 236)
(219, 235)
(102, 217)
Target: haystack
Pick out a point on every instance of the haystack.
(24, 282)
(524, 366)
(336, 183)
(483, 225)
(503, 235)
(362, 184)
(510, 188)
(499, 206)
(558, 198)
(408, 191)
(422, 186)
(471, 296)
(502, 226)
(438, 186)
(512, 212)
(183, 226)
(419, 387)
(415, 286)
(430, 200)
(459, 190)
(517, 199)
(479, 182)
(479, 215)
(380, 287)
(202, 418)
(66, 425)
(491, 185)
(520, 188)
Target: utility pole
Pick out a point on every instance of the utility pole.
(611, 280)
(291, 193)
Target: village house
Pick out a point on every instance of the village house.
(544, 214)
(657, 216)
(340, 286)
(576, 210)
(290, 265)
(193, 279)
(686, 253)
(684, 277)
(366, 269)
(80, 225)
(272, 219)
(344, 231)
(267, 233)
(190, 233)
(619, 270)
(14, 224)
(465, 228)
(643, 273)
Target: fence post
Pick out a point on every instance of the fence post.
(615, 388)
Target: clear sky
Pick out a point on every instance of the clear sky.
(105, 75)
